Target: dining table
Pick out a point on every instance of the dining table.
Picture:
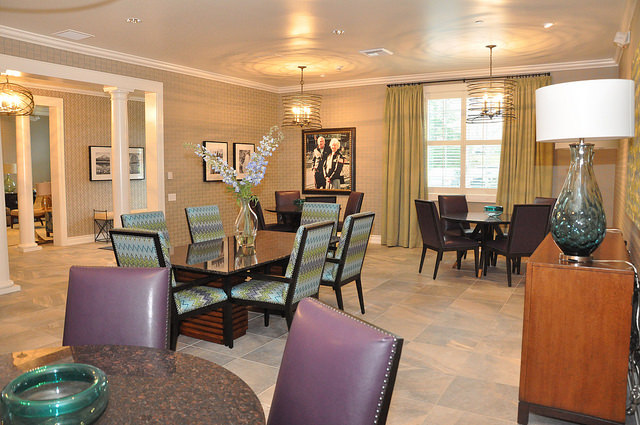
(290, 214)
(229, 265)
(486, 226)
(150, 385)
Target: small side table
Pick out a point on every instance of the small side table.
(102, 223)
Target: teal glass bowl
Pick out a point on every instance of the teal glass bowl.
(493, 210)
(57, 394)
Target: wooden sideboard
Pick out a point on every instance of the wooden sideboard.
(576, 331)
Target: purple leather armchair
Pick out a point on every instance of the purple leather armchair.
(119, 306)
(336, 369)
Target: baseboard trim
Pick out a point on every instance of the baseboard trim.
(78, 240)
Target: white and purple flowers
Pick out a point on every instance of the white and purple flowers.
(255, 169)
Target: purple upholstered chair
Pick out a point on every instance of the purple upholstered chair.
(336, 369)
(119, 306)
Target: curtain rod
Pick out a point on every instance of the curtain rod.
(464, 80)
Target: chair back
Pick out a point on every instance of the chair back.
(545, 201)
(151, 220)
(257, 209)
(205, 223)
(312, 212)
(354, 203)
(529, 226)
(453, 204)
(429, 223)
(335, 369)
(117, 306)
(307, 260)
(326, 199)
(140, 248)
(286, 197)
(353, 243)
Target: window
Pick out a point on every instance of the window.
(461, 158)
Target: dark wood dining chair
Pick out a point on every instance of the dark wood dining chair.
(454, 204)
(262, 225)
(325, 199)
(335, 369)
(529, 226)
(434, 238)
(354, 205)
(117, 306)
(285, 198)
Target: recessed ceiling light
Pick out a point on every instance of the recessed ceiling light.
(376, 52)
(338, 32)
(548, 25)
(322, 75)
(134, 20)
(479, 21)
(73, 34)
(339, 68)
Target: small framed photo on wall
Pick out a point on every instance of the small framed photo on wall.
(100, 163)
(219, 149)
(241, 156)
(136, 163)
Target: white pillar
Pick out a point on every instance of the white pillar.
(25, 186)
(154, 152)
(6, 284)
(119, 152)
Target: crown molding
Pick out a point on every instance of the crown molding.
(398, 79)
(457, 75)
(53, 87)
(74, 47)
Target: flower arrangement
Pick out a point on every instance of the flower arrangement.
(255, 169)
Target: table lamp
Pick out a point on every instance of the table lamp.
(582, 110)
(44, 189)
(9, 182)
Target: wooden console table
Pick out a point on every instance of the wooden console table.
(576, 331)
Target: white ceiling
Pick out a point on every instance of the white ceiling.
(264, 41)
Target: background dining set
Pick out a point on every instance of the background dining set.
(448, 228)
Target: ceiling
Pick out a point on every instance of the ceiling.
(264, 41)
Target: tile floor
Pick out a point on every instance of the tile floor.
(461, 358)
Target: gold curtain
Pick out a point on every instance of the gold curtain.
(526, 167)
(404, 175)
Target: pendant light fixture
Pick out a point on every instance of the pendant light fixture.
(302, 110)
(15, 99)
(490, 100)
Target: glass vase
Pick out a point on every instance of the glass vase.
(246, 228)
(578, 223)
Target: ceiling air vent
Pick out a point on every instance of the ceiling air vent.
(376, 52)
(73, 35)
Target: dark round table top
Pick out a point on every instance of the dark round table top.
(478, 218)
(152, 386)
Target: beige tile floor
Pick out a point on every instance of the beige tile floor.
(461, 358)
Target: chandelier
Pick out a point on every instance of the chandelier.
(15, 99)
(490, 100)
(301, 109)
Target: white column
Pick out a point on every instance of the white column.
(6, 284)
(119, 152)
(25, 186)
(154, 152)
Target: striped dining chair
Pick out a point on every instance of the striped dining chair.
(205, 223)
(313, 212)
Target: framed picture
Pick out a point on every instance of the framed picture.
(241, 155)
(100, 163)
(219, 149)
(328, 160)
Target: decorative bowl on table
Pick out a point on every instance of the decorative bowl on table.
(56, 394)
(493, 210)
(298, 202)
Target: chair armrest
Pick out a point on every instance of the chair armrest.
(273, 277)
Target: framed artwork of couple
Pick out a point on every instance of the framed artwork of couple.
(328, 160)
(241, 155)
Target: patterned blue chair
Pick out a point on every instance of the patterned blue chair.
(144, 248)
(152, 220)
(345, 265)
(302, 277)
(313, 212)
(205, 223)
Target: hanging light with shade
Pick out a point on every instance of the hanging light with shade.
(302, 110)
(15, 99)
(490, 99)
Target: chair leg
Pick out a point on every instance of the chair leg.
(338, 292)
(476, 260)
(424, 251)
(289, 317)
(360, 297)
(174, 332)
(486, 257)
(227, 324)
(266, 317)
(459, 258)
(509, 262)
(438, 259)
(519, 263)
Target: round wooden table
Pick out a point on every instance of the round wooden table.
(151, 386)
